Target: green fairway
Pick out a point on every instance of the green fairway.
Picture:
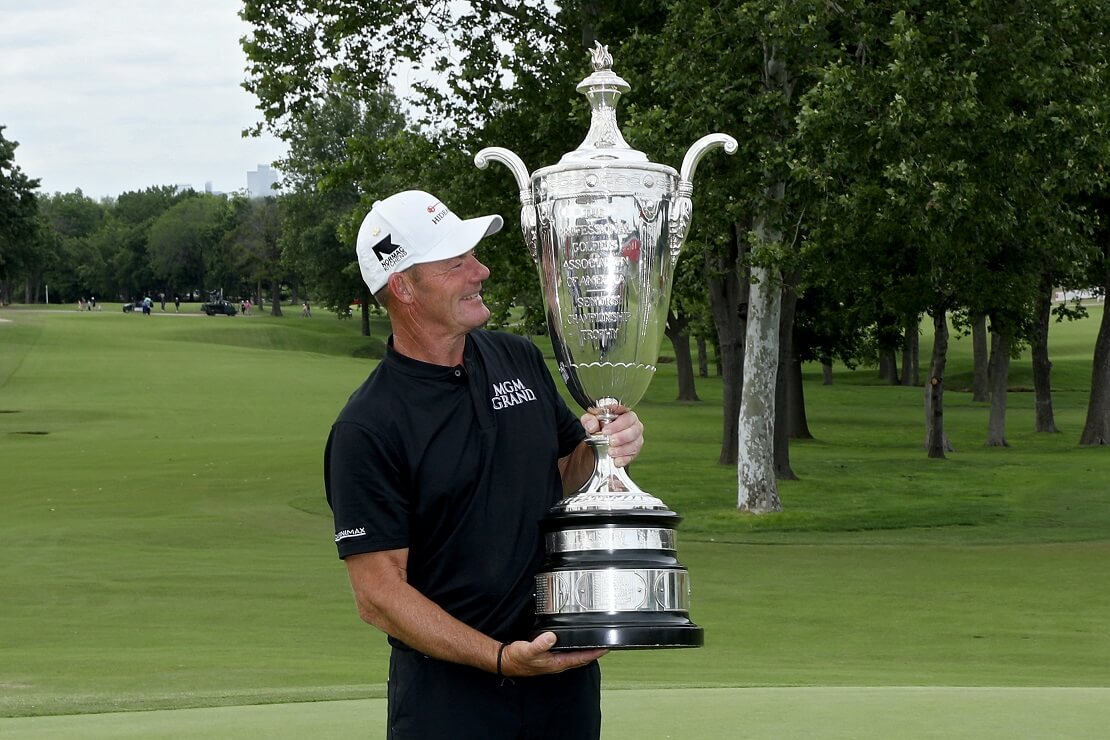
(659, 714)
(165, 544)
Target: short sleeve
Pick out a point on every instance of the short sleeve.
(366, 491)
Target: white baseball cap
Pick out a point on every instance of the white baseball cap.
(411, 228)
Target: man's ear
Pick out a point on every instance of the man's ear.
(399, 288)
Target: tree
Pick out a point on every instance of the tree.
(18, 224)
(335, 145)
(186, 244)
(1096, 428)
(299, 51)
(961, 132)
(129, 221)
(743, 74)
(70, 224)
(980, 357)
(688, 300)
(254, 244)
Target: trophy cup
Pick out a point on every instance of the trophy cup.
(605, 226)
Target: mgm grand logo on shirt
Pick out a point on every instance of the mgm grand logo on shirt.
(510, 393)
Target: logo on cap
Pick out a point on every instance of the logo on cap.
(388, 253)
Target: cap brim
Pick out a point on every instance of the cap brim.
(464, 238)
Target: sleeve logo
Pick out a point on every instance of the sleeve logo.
(348, 533)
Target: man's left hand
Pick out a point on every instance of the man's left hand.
(625, 433)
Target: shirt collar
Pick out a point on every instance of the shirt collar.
(430, 371)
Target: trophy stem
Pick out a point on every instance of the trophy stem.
(605, 478)
(608, 488)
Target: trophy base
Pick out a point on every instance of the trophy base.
(626, 636)
(611, 580)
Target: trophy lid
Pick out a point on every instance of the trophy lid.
(604, 143)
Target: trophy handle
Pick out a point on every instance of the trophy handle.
(700, 148)
(683, 209)
(528, 225)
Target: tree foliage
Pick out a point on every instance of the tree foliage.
(186, 244)
(18, 216)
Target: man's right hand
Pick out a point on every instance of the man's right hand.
(523, 658)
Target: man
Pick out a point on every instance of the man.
(436, 493)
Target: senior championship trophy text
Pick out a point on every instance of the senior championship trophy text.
(605, 227)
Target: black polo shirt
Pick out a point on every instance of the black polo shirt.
(457, 464)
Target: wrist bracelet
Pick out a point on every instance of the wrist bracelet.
(500, 655)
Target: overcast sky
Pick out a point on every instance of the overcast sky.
(117, 95)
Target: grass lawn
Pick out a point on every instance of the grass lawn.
(165, 544)
(658, 714)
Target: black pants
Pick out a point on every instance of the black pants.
(430, 699)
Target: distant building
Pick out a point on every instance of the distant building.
(261, 182)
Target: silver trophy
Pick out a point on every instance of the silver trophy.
(605, 226)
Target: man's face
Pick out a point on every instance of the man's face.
(448, 293)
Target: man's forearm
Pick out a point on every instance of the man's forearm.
(404, 613)
(576, 468)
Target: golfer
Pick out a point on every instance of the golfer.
(437, 472)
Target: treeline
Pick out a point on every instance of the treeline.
(160, 240)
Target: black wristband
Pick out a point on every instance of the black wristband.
(500, 655)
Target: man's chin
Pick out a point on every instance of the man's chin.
(480, 320)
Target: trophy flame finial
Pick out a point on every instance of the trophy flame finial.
(600, 57)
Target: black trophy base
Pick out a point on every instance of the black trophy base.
(623, 635)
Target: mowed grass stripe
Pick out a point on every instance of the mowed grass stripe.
(857, 713)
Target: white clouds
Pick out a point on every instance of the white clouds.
(112, 96)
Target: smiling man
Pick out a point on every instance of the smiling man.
(438, 471)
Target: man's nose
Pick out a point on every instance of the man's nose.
(482, 270)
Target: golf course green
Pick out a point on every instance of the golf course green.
(167, 568)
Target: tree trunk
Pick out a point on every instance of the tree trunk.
(275, 297)
(980, 381)
(675, 330)
(703, 358)
(826, 372)
(935, 441)
(888, 365)
(365, 303)
(758, 492)
(784, 411)
(911, 353)
(799, 424)
(728, 294)
(1044, 419)
(764, 382)
(1097, 429)
(999, 380)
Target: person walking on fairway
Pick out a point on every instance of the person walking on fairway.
(437, 472)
